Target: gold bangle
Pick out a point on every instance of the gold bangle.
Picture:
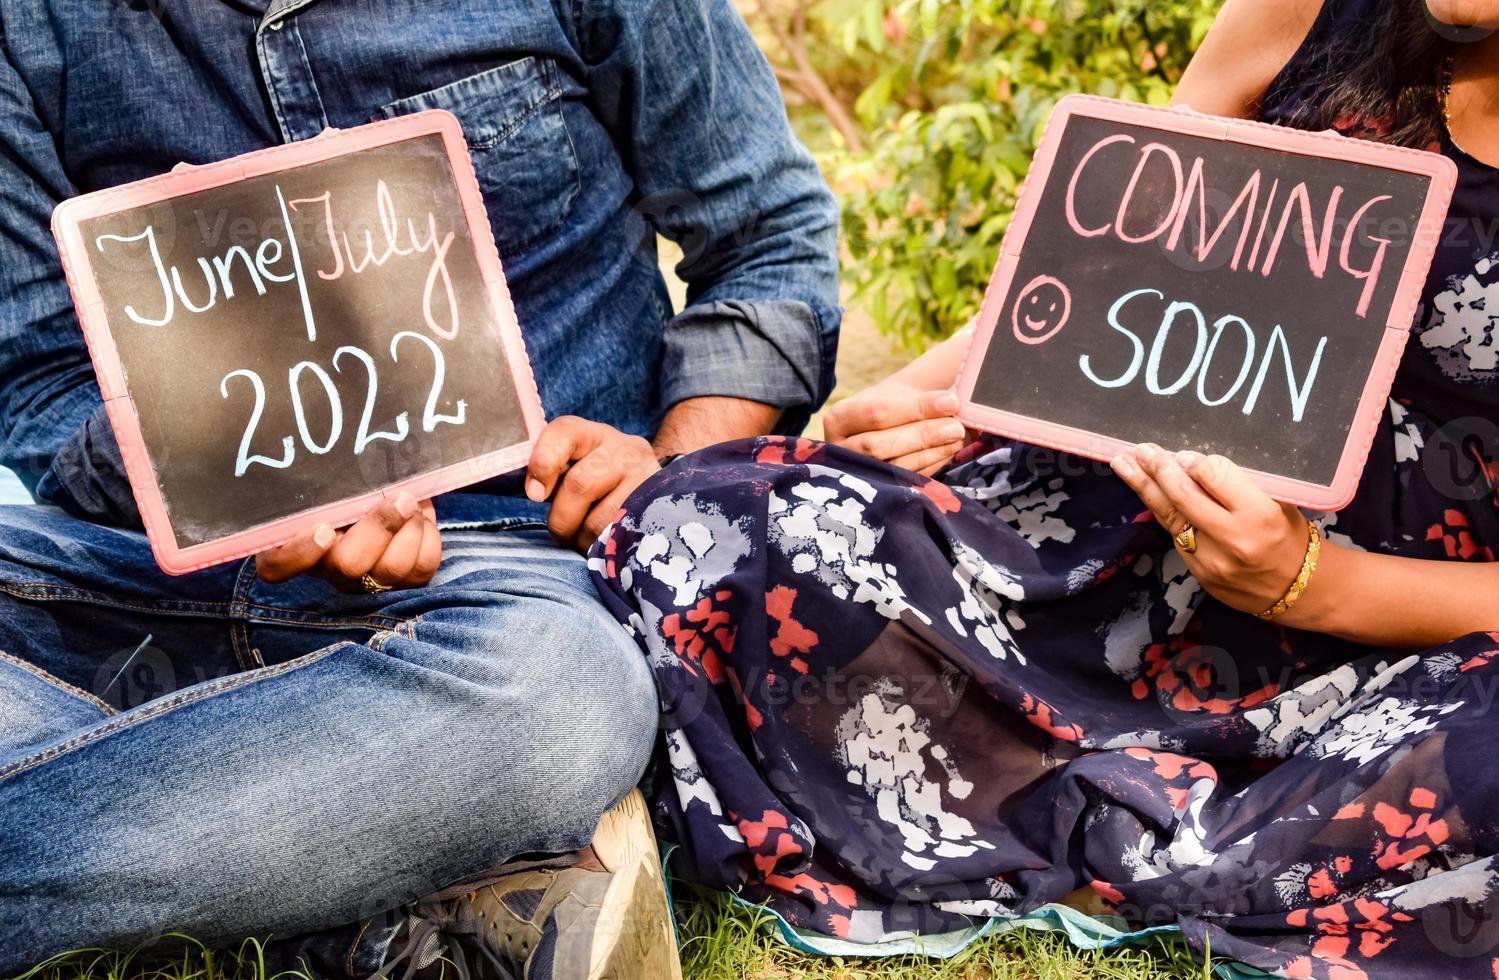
(1308, 566)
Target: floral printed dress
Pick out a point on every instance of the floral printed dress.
(896, 705)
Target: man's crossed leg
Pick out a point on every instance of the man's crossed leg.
(218, 756)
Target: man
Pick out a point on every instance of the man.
(283, 746)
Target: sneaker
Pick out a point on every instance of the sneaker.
(603, 917)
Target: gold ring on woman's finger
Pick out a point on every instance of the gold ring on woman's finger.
(1186, 539)
(373, 587)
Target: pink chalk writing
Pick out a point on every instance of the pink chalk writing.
(1135, 218)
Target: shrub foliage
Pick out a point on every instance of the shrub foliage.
(926, 113)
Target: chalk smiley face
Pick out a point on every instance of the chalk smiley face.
(1041, 309)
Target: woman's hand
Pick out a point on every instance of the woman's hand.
(587, 469)
(1249, 547)
(397, 545)
(899, 424)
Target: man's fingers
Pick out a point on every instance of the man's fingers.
(589, 481)
(361, 546)
(601, 516)
(606, 509)
(297, 556)
(576, 464)
(928, 461)
(391, 514)
(429, 557)
(395, 564)
(561, 442)
(397, 543)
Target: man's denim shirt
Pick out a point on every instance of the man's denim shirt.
(593, 125)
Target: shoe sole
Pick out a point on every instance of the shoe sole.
(637, 942)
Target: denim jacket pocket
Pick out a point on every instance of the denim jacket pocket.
(523, 154)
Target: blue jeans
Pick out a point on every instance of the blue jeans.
(222, 757)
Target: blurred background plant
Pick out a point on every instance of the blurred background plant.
(924, 115)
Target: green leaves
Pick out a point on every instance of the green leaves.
(952, 96)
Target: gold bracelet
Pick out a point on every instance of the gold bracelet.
(1308, 566)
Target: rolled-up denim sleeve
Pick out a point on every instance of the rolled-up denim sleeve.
(699, 119)
(53, 431)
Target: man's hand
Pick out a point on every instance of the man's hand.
(587, 469)
(397, 544)
(899, 424)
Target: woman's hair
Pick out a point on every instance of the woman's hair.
(1384, 83)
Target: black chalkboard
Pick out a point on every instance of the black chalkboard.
(1206, 284)
(283, 342)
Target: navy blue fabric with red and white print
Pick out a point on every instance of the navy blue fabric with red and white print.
(898, 705)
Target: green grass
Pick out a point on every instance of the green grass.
(723, 942)
(195, 962)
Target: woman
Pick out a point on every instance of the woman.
(896, 704)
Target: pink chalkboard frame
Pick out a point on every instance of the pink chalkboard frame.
(1333, 496)
(66, 222)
